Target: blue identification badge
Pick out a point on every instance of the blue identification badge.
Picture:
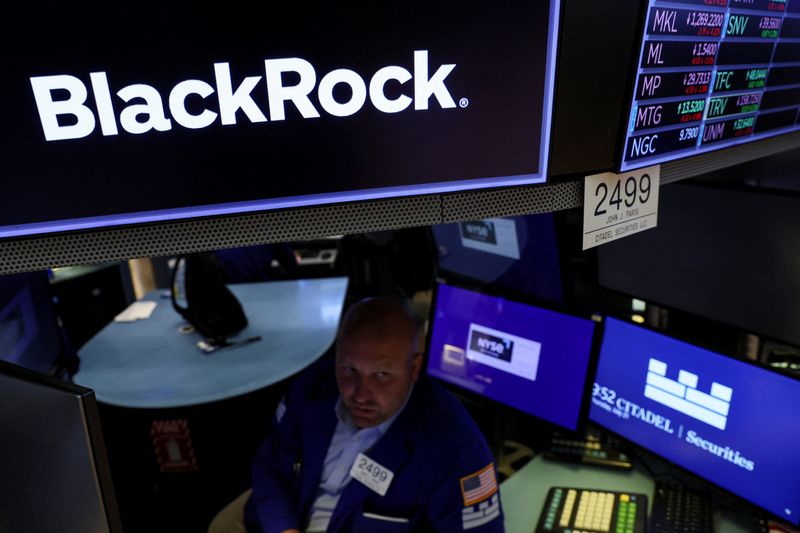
(374, 476)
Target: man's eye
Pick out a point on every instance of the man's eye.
(347, 371)
(382, 375)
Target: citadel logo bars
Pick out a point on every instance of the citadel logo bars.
(683, 396)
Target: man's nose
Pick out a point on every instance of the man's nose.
(361, 391)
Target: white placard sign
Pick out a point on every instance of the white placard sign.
(375, 476)
(618, 205)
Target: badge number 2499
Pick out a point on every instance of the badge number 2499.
(375, 476)
(617, 205)
(372, 469)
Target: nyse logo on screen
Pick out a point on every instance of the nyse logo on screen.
(71, 117)
(683, 396)
(492, 346)
(503, 351)
(479, 230)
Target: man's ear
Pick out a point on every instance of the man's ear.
(416, 366)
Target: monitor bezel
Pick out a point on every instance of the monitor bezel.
(671, 463)
(91, 422)
(525, 299)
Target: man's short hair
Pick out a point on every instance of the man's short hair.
(379, 318)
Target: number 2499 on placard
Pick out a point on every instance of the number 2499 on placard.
(618, 205)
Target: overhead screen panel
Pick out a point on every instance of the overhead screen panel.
(713, 74)
(258, 109)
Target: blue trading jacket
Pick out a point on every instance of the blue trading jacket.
(434, 449)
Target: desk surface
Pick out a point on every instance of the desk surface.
(524, 493)
(149, 364)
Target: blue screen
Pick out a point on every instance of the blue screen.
(526, 357)
(725, 420)
(517, 253)
(29, 334)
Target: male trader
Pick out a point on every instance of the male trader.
(378, 448)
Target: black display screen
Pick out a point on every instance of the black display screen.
(258, 108)
(733, 66)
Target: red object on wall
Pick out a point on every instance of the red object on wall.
(172, 445)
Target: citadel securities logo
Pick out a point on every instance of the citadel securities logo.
(73, 118)
(503, 351)
(683, 396)
(607, 399)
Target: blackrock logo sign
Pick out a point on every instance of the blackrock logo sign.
(73, 118)
(503, 351)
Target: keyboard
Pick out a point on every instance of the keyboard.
(571, 510)
(679, 509)
(587, 451)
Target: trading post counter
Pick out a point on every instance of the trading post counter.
(523, 495)
(181, 425)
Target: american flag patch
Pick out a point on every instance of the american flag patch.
(478, 486)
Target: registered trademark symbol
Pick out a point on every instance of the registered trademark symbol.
(463, 102)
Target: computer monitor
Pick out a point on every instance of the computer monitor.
(731, 422)
(516, 253)
(646, 268)
(29, 331)
(532, 359)
(55, 475)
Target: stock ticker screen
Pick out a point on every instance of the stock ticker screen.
(713, 74)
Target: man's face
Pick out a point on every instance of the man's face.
(374, 377)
